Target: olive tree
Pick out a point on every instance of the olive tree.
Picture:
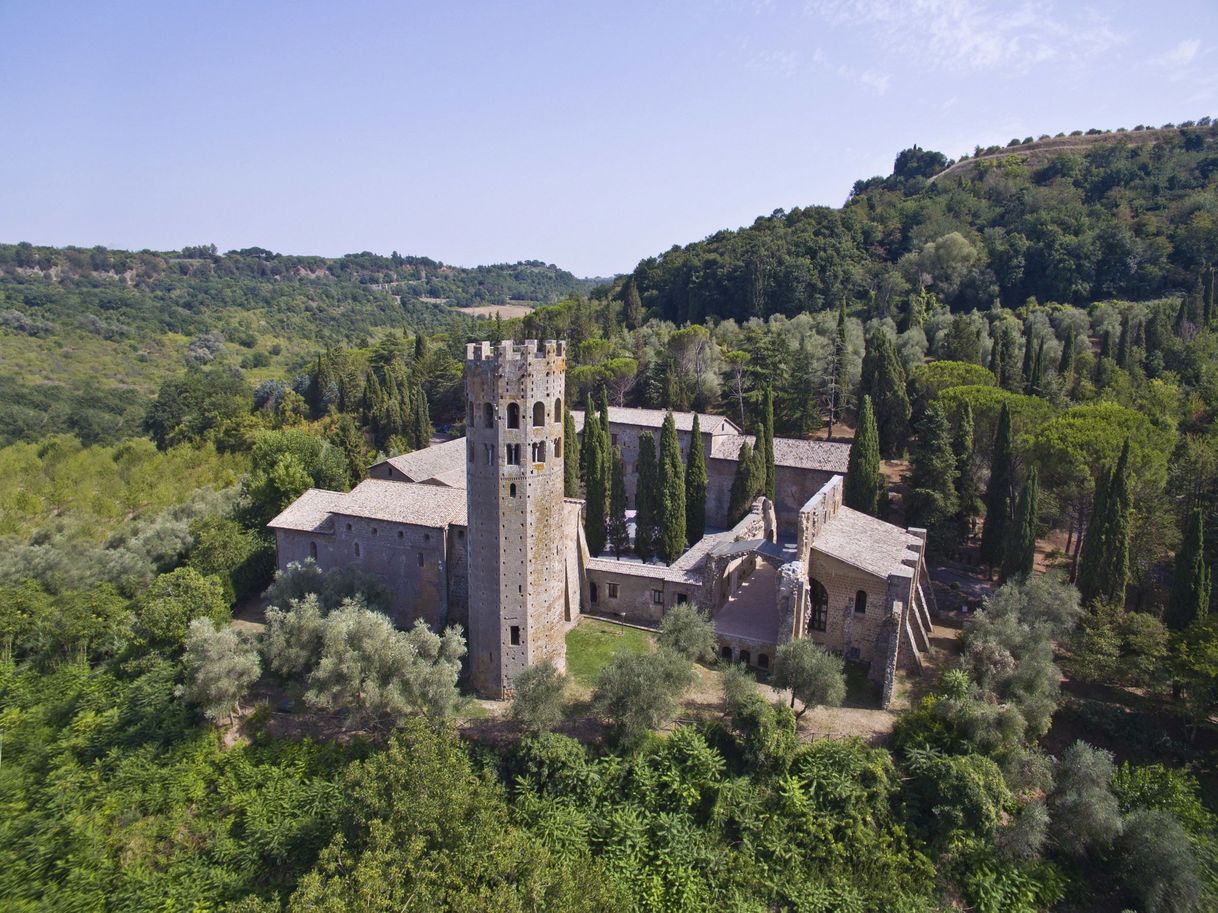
(817, 678)
(220, 666)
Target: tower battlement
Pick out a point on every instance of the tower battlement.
(508, 350)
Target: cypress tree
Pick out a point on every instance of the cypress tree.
(767, 445)
(1190, 587)
(1114, 560)
(596, 485)
(1036, 383)
(591, 426)
(570, 455)
(864, 485)
(1021, 544)
(933, 499)
(671, 541)
(1066, 366)
(618, 532)
(1123, 343)
(646, 499)
(998, 495)
(889, 398)
(996, 359)
(746, 485)
(695, 486)
(1029, 356)
(1091, 550)
(420, 418)
(632, 305)
(966, 473)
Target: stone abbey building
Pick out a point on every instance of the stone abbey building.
(476, 532)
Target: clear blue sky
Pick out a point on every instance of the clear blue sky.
(584, 134)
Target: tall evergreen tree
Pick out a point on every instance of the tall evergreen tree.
(695, 486)
(596, 484)
(671, 541)
(885, 384)
(632, 305)
(746, 485)
(966, 473)
(1114, 564)
(1190, 588)
(767, 443)
(570, 455)
(1029, 356)
(1065, 367)
(864, 485)
(837, 373)
(420, 418)
(1021, 544)
(618, 532)
(998, 495)
(1092, 546)
(591, 426)
(932, 478)
(646, 498)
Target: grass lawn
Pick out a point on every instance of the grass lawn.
(592, 643)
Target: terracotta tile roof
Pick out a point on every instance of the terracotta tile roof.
(829, 456)
(421, 465)
(654, 418)
(866, 543)
(634, 568)
(309, 513)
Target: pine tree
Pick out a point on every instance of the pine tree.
(886, 386)
(596, 484)
(766, 440)
(695, 486)
(671, 541)
(998, 495)
(618, 532)
(646, 498)
(1021, 544)
(932, 478)
(570, 455)
(864, 485)
(746, 485)
(966, 473)
(1190, 589)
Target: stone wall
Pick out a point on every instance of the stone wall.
(412, 560)
(849, 632)
(792, 489)
(637, 586)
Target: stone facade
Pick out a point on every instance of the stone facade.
(514, 481)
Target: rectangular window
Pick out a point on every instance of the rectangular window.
(421, 559)
(513, 454)
(657, 597)
(515, 635)
(612, 587)
(613, 440)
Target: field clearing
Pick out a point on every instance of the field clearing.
(505, 311)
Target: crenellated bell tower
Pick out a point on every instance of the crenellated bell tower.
(514, 490)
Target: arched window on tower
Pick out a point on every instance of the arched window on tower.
(539, 414)
(488, 415)
(513, 415)
(860, 601)
(558, 409)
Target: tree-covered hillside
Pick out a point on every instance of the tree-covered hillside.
(1130, 215)
(86, 335)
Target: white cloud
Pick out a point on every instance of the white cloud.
(1181, 55)
(975, 34)
(877, 81)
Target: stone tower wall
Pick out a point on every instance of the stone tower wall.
(514, 470)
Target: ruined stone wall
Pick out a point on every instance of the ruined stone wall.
(412, 560)
(817, 511)
(517, 577)
(792, 489)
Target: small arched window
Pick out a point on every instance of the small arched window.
(357, 550)
(558, 409)
(539, 414)
(557, 447)
(488, 415)
(725, 652)
(513, 415)
(512, 490)
(860, 601)
(313, 550)
(745, 658)
(763, 661)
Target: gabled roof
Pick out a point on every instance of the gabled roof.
(654, 418)
(409, 503)
(430, 462)
(869, 544)
(312, 512)
(829, 456)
